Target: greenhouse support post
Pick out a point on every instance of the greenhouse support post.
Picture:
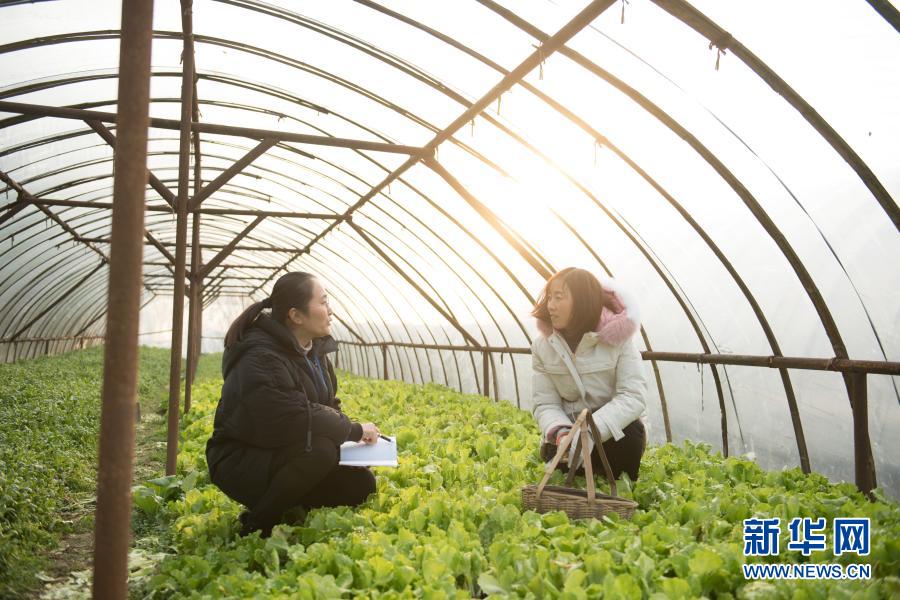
(184, 175)
(194, 307)
(862, 445)
(384, 361)
(120, 362)
(194, 303)
(486, 373)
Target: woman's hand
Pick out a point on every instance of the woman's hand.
(555, 435)
(370, 433)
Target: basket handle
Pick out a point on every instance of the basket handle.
(582, 449)
(570, 478)
(598, 444)
(560, 450)
(588, 467)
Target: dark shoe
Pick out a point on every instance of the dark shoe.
(248, 526)
(294, 516)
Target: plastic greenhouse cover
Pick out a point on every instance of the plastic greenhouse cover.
(575, 161)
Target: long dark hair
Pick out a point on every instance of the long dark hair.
(292, 290)
(588, 300)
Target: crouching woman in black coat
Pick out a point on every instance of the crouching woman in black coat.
(278, 425)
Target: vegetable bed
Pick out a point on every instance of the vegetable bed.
(448, 522)
(49, 424)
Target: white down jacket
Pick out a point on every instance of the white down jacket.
(608, 363)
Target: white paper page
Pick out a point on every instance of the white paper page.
(382, 453)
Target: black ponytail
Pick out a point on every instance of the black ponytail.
(239, 325)
(292, 290)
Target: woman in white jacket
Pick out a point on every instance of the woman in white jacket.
(585, 357)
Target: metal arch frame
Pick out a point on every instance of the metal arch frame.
(749, 200)
(721, 400)
(413, 216)
(228, 216)
(887, 12)
(714, 162)
(444, 311)
(222, 78)
(723, 40)
(438, 237)
(102, 220)
(66, 229)
(547, 48)
(75, 167)
(602, 139)
(303, 22)
(720, 168)
(428, 228)
(102, 312)
(63, 258)
(440, 259)
(210, 128)
(621, 86)
(35, 249)
(435, 205)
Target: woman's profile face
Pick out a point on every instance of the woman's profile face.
(317, 321)
(559, 304)
(319, 318)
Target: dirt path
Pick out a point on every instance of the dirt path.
(68, 575)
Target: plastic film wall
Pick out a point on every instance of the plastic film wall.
(738, 215)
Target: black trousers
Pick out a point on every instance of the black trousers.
(299, 478)
(623, 455)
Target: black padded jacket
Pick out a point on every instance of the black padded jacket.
(270, 401)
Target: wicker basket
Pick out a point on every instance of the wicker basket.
(578, 504)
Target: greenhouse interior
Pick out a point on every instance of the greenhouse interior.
(378, 205)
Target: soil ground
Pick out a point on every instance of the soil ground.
(68, 574)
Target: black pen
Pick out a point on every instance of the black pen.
(384, 437)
